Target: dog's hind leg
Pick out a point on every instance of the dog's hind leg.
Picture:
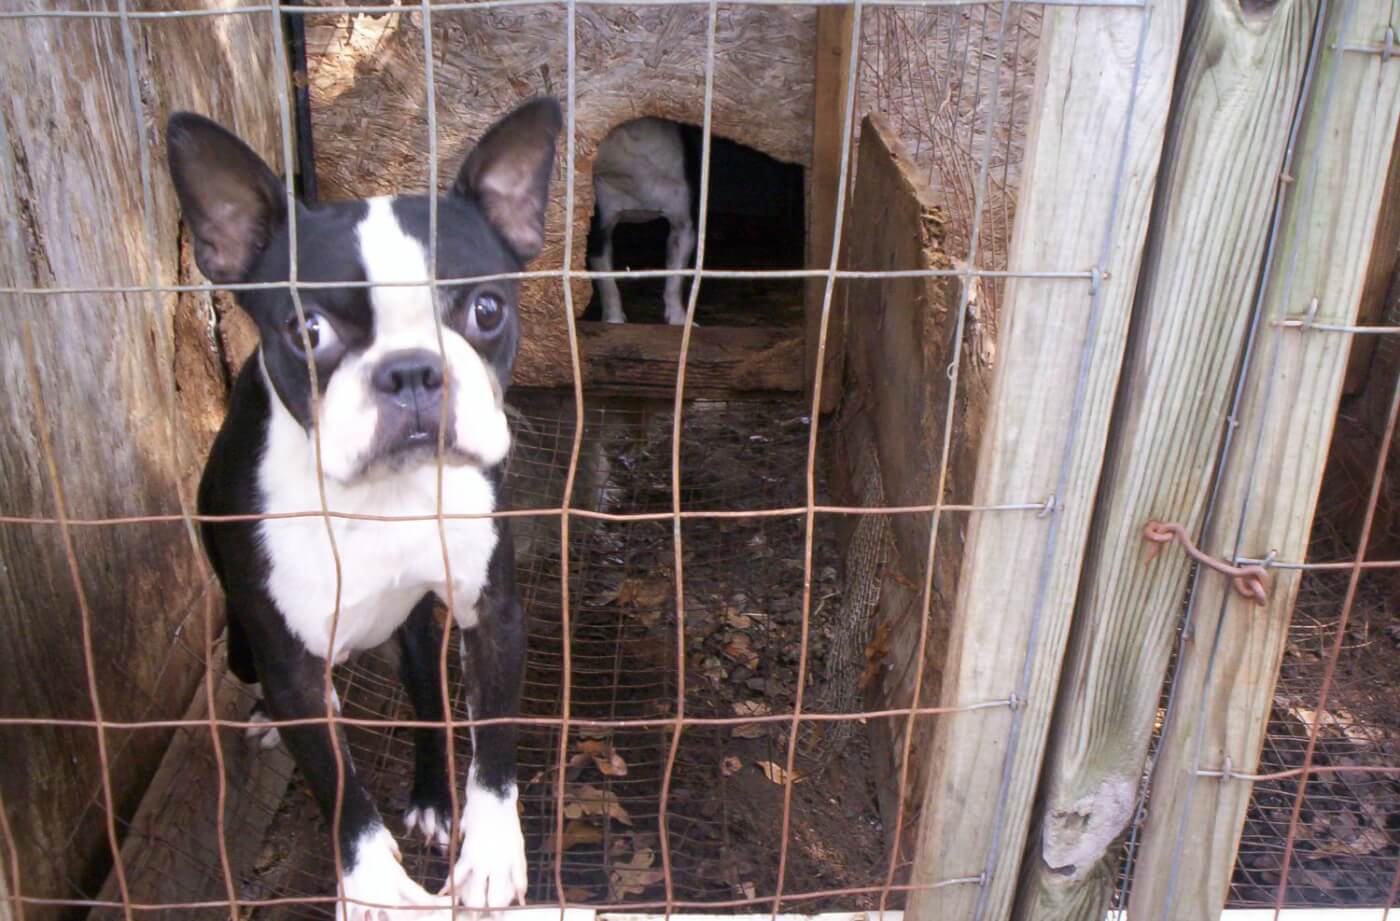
(680, 243)
(244, 668)
(420, 660)
(607, 287)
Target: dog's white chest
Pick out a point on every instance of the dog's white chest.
(385, 567)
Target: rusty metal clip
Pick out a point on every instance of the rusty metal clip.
(1250, 581)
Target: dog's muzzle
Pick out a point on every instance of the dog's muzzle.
(410, 388)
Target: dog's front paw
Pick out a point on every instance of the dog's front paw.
(378, 889)
(490, 872)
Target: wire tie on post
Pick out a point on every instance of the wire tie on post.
(1388, 49)
(1013, 702)
(1226, 769)
(1048, 508)
(1251, 581)
(1096, 276)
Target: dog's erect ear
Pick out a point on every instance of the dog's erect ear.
(230, 199)
(507, 174)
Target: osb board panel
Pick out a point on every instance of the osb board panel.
(369, 97)
(69, 168)
(901, 334)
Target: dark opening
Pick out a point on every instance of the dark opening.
(756, 220)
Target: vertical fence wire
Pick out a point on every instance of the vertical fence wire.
(677, 418)
(153, 299)
(327, 686)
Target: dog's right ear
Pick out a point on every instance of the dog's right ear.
(230, 199)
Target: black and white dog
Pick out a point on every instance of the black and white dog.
(386, 386)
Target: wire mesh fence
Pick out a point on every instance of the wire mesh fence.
(688, 694)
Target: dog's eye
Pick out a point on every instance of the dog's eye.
(320, 334)
(487, 312)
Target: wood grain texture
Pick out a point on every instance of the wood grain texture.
(1238, 81)
(642, 360)
(899, 343)
(170, 850)
(1270, 483)
(368, 98)
(1020, 572)
(68, 169)
(832, 72)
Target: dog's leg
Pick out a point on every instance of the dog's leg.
(607, 287)
(241, 663)
(293, 682)
(491, 871)
(430, 802)
(679, 245)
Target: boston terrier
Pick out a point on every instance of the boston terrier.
(390, 397)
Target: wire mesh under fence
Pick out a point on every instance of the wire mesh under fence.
(742, 639)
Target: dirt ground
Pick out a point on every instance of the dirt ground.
(742, 629)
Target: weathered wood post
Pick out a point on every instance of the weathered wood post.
(1270, 479)
(1103, 88)
(1242, 67)
(72, 216)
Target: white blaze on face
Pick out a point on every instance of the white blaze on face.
(405, 319)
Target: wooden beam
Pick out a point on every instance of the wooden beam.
(170, 852)
(642, 359)
(1237, 87)
(833, 68)
(1096, 126)
(1380, 276)
(1225, 686)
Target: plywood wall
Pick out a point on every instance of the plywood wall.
(369, 94)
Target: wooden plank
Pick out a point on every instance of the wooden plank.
(1096, 128)
(642, 359)
(68, 169)
(891, 427)
(1375, 293)
(171, 847)
(832, 70)
(1237, 86)
(1225, 686)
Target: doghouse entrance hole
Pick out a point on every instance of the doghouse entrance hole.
(756, 220)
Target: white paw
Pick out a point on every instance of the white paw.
(490, 873)
(431, 823)
(378, 889)
(263, 736)
(614, 317)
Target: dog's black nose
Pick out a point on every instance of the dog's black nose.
(413, 372)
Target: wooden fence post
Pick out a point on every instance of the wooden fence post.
(1270, 479)
(1237, 88)
(1094, 141)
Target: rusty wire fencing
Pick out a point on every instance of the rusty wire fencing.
(682, 571)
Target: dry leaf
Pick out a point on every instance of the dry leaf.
(584, 800)
(731, 765)
(736, 620)
(777, 773)
(636, 875)
(749, 890)
(577, 894)
(579, 831)
(604, 756)
(749, 708)
(739, 648)
(645, 593)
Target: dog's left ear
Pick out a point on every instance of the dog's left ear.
(507, 174)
